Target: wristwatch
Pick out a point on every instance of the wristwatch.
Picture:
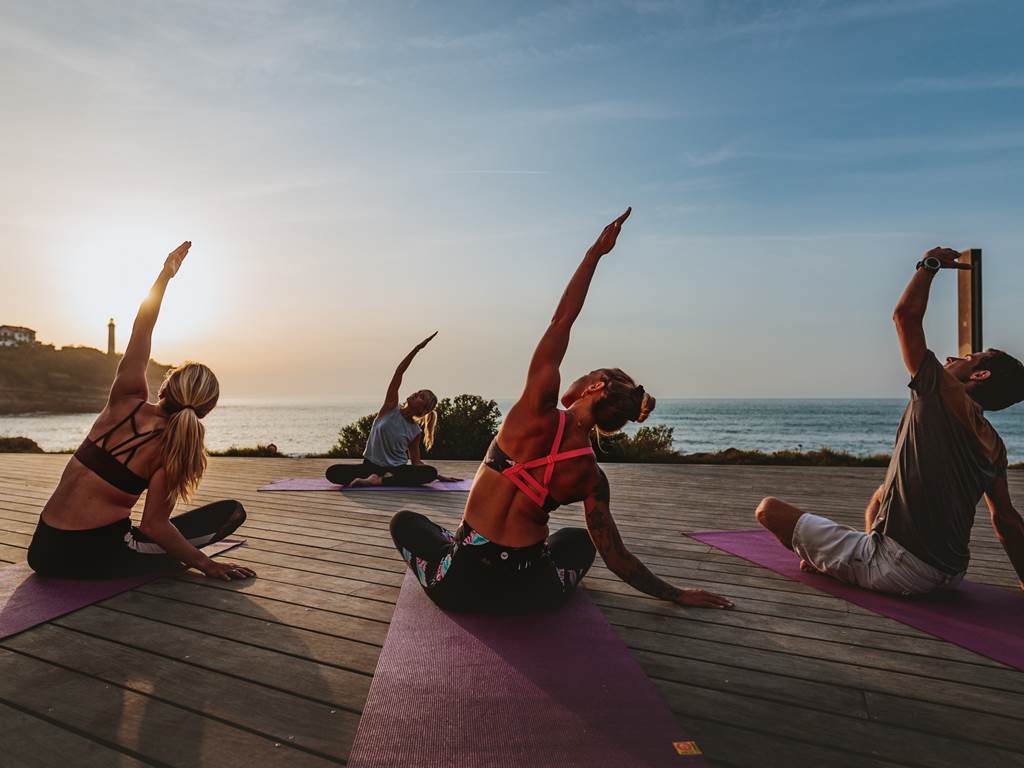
(931, 263)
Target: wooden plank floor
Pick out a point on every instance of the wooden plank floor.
(275, 671)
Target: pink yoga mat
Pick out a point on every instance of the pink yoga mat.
(27, 599)
(981, 618)
(322, 484)
(548, 690)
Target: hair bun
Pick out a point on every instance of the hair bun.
(647, 403)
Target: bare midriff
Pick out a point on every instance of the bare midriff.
(83, 500)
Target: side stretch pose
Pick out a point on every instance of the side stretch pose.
(501, 557)
(85, 529)
(917, 526)
(392, 454)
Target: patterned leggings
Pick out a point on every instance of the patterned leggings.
(465, 571)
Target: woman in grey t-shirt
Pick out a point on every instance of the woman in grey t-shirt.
(392, 454)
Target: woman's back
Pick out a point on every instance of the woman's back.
(83, 499)
(498, 508)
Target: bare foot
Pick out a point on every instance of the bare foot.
(361, 481)
(807, 567)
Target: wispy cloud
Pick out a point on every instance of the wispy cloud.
(955, 84)
(495, 173)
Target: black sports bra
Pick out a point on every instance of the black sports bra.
(104, 462)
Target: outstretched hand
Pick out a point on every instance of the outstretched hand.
(606, 240)
(426, 341)
(699, 598)
(948, 258)
(173, 261)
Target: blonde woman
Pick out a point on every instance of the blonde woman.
(392, 454)
(502, 558)
(85, 529)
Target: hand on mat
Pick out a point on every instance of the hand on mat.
(606, 240)
(173, 261)
(447, 479)
(699, 598)
(948, 257)
(227, 571)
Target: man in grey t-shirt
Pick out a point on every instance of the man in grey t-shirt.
(947, 456)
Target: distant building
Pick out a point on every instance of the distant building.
(16, 336)
(110, 337)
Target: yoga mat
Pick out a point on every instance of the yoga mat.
(546, 690)
(323, 484)
(981, 618)
(27, 599)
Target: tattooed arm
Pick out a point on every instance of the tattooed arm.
(624, 564)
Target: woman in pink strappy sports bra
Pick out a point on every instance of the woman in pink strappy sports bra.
(501, 556)
(85, 530)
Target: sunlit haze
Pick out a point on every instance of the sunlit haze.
(354, 176)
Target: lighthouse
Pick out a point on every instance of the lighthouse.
(110, 337)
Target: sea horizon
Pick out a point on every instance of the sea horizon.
(858, 426)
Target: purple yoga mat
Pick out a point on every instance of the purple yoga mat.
(546, 690)
(27, 599)
(981, 618)
(323, 484)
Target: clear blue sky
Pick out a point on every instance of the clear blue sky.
(357, 175)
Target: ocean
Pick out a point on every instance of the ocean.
(860, 427)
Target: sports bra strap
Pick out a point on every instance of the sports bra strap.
(102, 439)
(536, 491)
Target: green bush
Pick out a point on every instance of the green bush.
(823, 457)
(648, 444)
(19, 445)
(259, 451)
(465, 427)
(352, 439)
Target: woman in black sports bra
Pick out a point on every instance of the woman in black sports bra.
(85, 529)
(501, 557)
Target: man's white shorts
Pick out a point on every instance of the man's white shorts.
(872, 561)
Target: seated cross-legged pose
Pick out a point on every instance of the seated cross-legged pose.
(917, 526)
(392, 454)
(85, 529)
(501, 556)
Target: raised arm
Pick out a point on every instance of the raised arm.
(391, 398)
(542, 381)
(909, 313)
(624, 564)
(1008, 524)
(130, 380)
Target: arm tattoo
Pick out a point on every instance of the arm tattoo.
(613, 551)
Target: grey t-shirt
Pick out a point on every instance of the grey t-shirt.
(390, 435)
(946, 456)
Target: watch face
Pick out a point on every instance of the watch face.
(932, 263)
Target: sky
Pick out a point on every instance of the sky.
(354, 176)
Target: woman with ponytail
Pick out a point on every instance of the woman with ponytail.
(501, 556)
(392, 454)
(85, 529)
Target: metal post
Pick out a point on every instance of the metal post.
(968, 291)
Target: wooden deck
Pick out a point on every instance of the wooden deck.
(275, 671)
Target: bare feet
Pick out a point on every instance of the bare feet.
(361, 481)
(807, 567)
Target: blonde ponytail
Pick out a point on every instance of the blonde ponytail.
(428, 423)
(189, 392)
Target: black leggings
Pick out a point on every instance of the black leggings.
(120, 549)
(405, 476)
(465, 571)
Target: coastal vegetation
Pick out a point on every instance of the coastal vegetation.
(260, 451)
(39, 378)
(19, 445)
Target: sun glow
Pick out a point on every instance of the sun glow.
(106, 271)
